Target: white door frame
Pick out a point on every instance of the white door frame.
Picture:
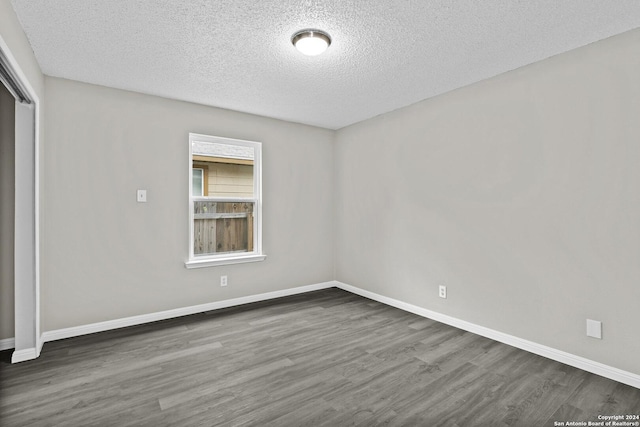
(28, 341)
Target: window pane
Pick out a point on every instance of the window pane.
(225, 177)
(222, 227)
(225, 221)
(197, 177)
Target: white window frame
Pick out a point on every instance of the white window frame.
(237, 257)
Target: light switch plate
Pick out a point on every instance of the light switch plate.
(142, 196)
(594, 329)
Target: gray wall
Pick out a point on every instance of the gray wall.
(520, 193)
(7, 205)
(108, 257)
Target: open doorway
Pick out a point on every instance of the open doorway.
(19, 214)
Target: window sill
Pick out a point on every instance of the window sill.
(212, 262)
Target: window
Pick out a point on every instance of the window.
(197, 179)
(225, 203)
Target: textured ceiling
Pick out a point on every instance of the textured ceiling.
(237, 54)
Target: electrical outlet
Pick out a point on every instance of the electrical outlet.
(223, 280)
(442, 291)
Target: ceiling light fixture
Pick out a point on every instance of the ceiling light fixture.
(311, 42)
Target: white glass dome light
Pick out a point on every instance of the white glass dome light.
(311, 42)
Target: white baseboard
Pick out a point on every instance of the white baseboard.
(20, 355)
(532, 347)
(24, 355)
(75, 331)
(7, 343)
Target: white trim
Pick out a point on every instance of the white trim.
(24, 355)
(212, 262)
(539, 349)
(178, 312)
(597, 368)
(7, 343)
(224, 199)
(39, 341)
(224, 259)
(36, 142)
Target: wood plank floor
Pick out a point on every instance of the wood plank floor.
(326, 358)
